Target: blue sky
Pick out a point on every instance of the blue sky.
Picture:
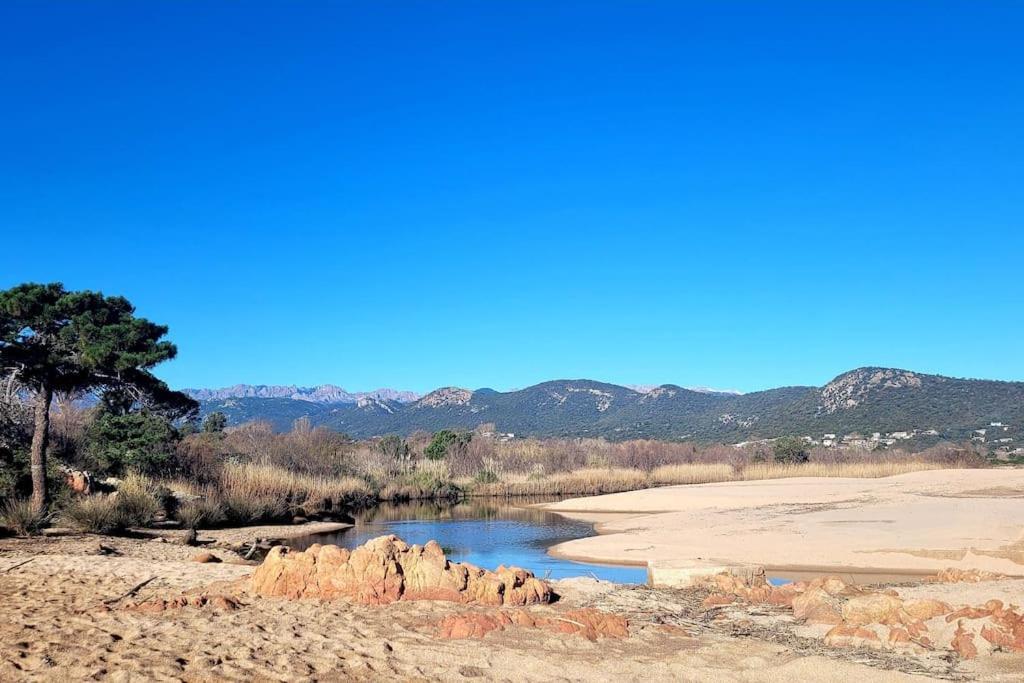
(418, 194)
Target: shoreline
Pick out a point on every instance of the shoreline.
(873, 529)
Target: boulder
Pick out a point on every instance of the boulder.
(205, 558)
(952, 575)
(926, 608)
(873, 608)
(845, 635)
(385, 570)
(815, 606)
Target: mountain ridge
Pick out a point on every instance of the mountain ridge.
(867, 399)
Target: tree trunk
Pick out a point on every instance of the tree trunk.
(40, 440)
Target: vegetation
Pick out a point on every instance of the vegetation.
(53, 340)
(21, 517)
(791, 449)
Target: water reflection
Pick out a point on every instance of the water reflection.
(484, 532)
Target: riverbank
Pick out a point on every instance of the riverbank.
(66, 617)
(916, 523)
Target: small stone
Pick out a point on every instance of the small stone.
(205, 558)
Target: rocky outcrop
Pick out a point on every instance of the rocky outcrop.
(881, 619)
(952, 575)
(385, 570)
(589, 623)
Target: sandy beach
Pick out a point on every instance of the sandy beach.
(69, 613)
(911, 524)
(62, 621)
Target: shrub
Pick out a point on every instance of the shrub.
(445, 441)
(137, 502)
(790, 449)
(21, 518)
(486, 477)
(205, 512)
(94, 514)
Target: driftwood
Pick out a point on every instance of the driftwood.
(20, 564)
(135, 589)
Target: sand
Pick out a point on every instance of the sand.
(55, 627)
(910, 524)
(63, 619)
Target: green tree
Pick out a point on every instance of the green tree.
(790, 449)
(444, 441)
(142, 441)
(53, 340)
(215, 423)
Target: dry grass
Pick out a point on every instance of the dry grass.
(19, 517)
(263, 491)
(597, 481)
(859, 470)
(588, 481)
(691, 473)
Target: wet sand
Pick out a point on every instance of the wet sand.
(907, 525)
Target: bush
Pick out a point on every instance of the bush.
(486, 477)
(19, 517)
(204, 512)
(94, 515)
(445, 441)
(137, 501)
(790, 449)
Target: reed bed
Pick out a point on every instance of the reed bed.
(859, 470)
(275, 485)
(597, 481)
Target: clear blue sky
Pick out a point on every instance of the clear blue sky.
(417, 194)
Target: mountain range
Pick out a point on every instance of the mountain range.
(864, 400)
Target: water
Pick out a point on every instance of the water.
(486, 534)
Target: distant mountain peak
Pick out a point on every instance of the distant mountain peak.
(854, 387)
(446, 396)
(322, 393)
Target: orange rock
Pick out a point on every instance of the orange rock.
(952, 575)
(968, 613)
(589, 623)
(205, 558)
(873, 608)
(845, 635)
(470, 625)
(963, 643)
(385, 570)
(898, 636)
(817, 607)
(998, 637)
(926, 608)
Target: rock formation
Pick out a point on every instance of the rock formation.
(881, 619)
(589, 623)
(385, 570)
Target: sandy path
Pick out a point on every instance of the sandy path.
(911, 523)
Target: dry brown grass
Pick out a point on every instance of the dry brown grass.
(859, 470)
(254, 492)
(691, 473)
(597, 481)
